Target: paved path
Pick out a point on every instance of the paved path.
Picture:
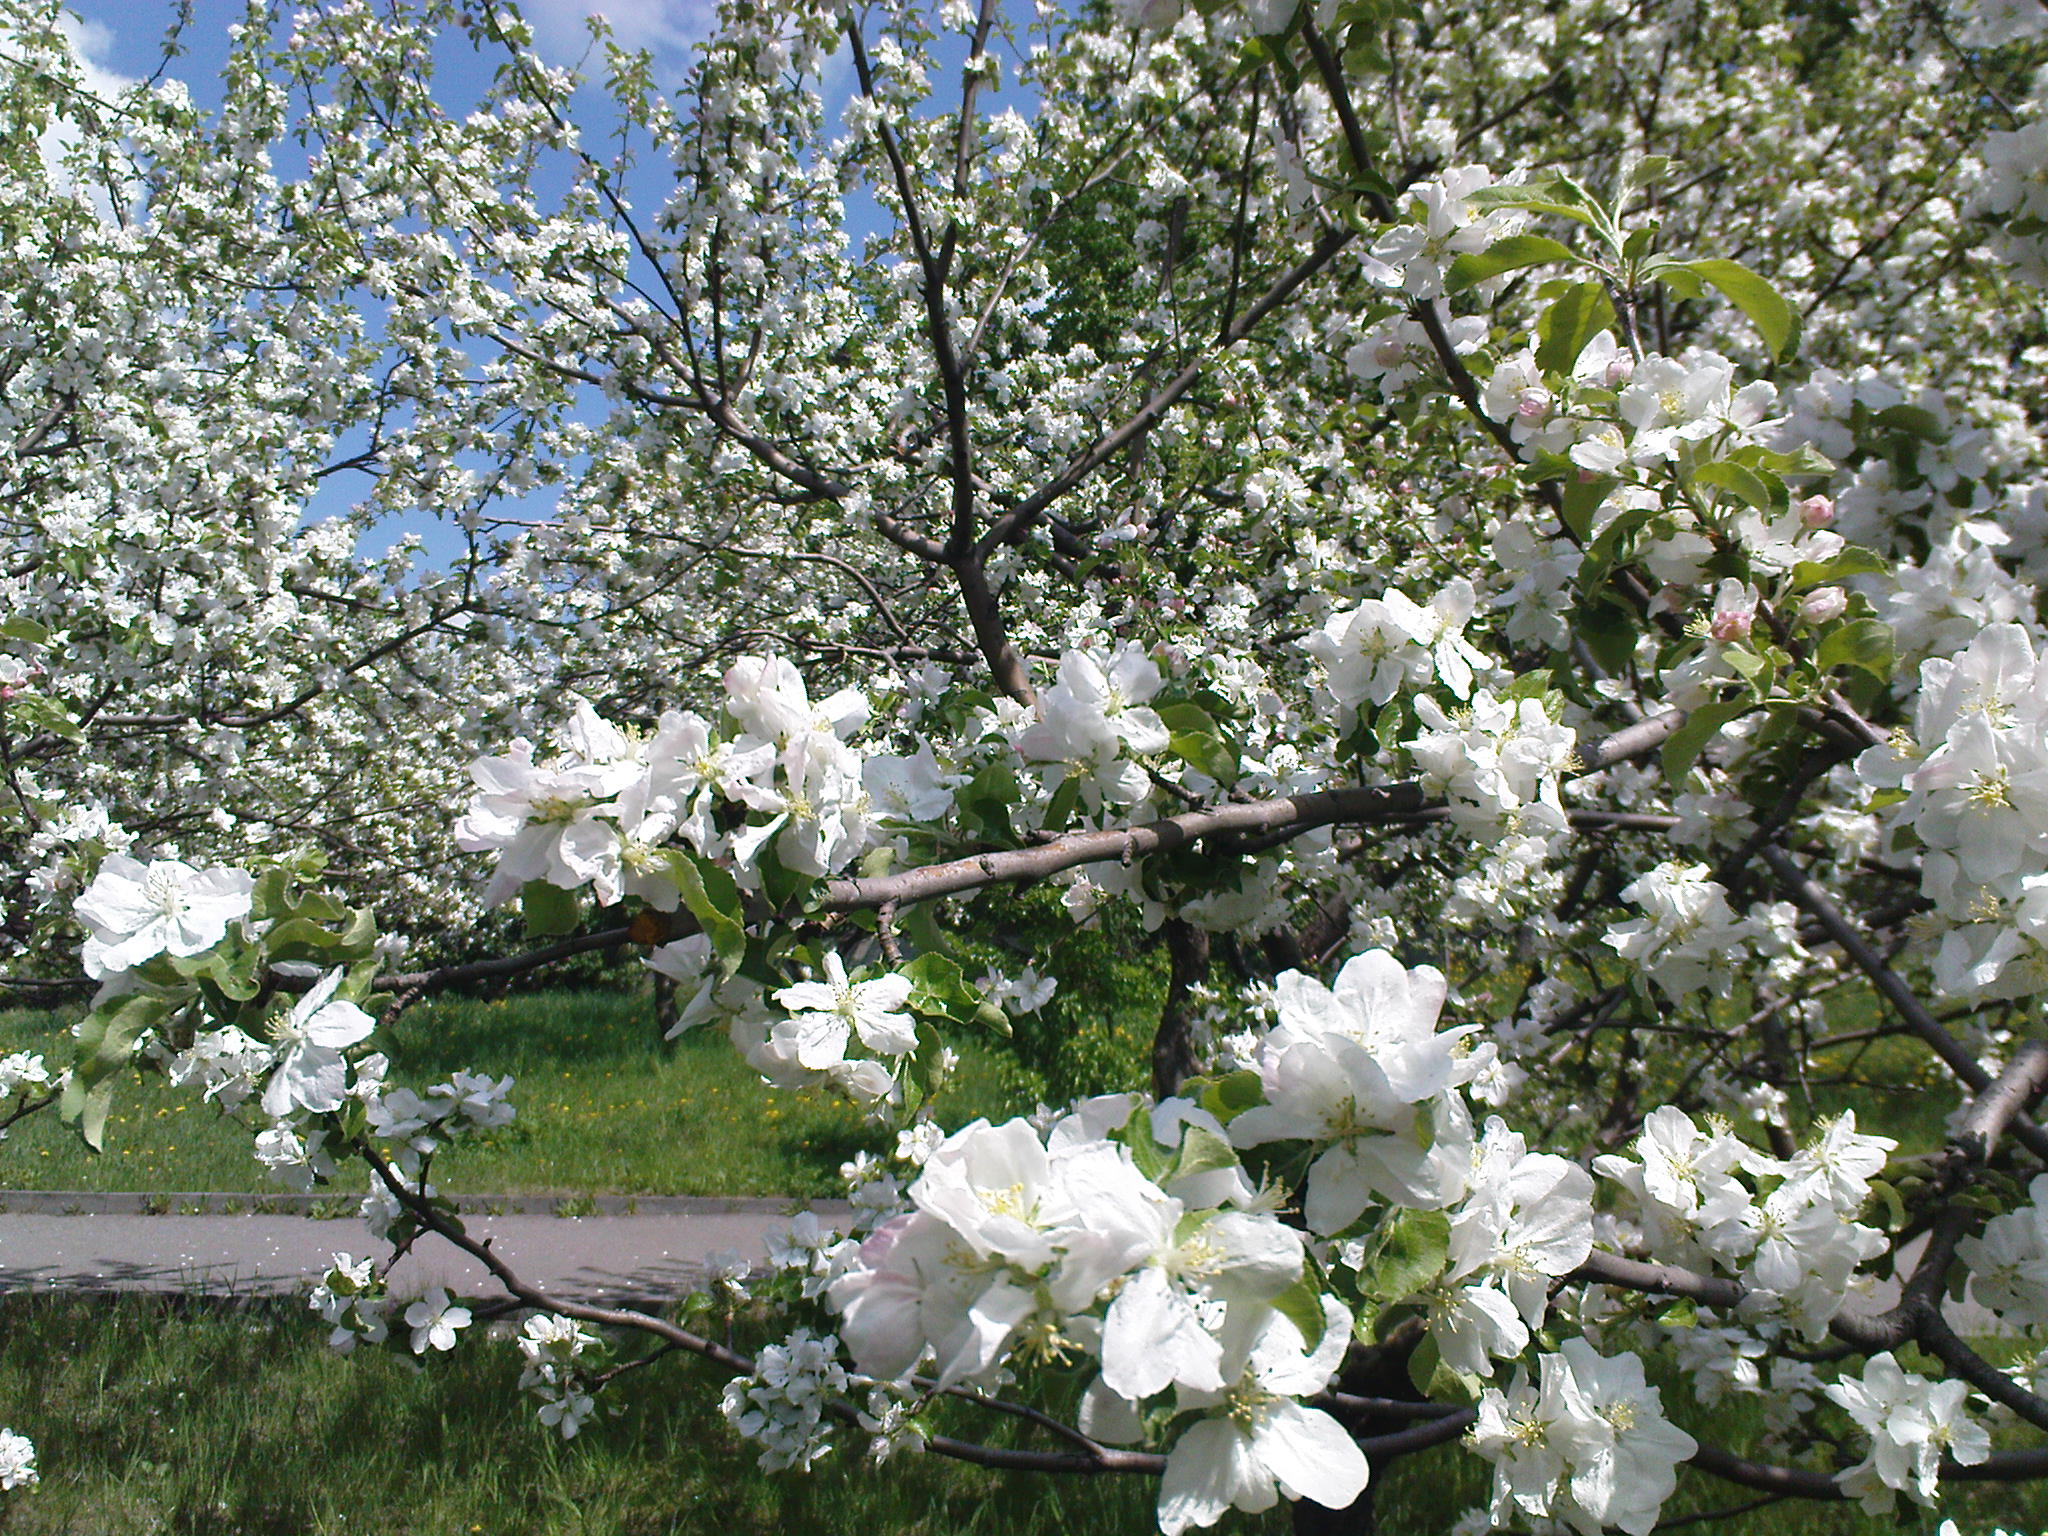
(648, 1256)
(642, 1250)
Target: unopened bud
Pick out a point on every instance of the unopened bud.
(1823, 604)
(1620, 369)
(1816, 512)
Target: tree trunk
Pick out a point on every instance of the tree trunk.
(1173, 1047)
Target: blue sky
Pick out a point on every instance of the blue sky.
(127, 37)
(123, 41)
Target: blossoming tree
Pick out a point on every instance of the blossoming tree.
(1507, 537)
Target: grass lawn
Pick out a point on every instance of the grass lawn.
(145, 1421)
(604, 1108)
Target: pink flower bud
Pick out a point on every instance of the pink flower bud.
(1816, 512)
(1620, 368)
(1823, 604)
(1533, 404)
(1734, 612)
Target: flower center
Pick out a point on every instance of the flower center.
(165, 891)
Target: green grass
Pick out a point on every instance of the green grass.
(604, 1108)
(145, 1421)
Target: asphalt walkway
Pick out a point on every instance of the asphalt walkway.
(638, 1251)
(609, 1249)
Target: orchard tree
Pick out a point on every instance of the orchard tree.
(1508, 539)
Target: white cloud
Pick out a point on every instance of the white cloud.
(665, 28)
(90, 43)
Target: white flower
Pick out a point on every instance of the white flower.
(434, 1321)
(1912, 1422)
(20, 1070)
(825, 1014)
(138, 911)
(1591, 1445)
(1528, 1220)
(1688, 937)
(17, 1460)
(548, 821)
(1260, 1442)
(311, 1073)
(1094, 710)
(782, 1404)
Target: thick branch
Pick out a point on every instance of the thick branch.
(1024, 865)
(2009, 1097)
(1807, 892)
(507, 965)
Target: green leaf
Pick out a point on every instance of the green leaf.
(1766, 308)
(1745, 484)
(1606, 549)
(1803, 460)
(1059, 813)
(1203, 1151)
(1509, 255)
(549, 910)
(1852, 561)
(1864, 643)
(1136, 1135)
(1302, 1305)
(983, 805)
(714, 900)
(46, 714)
(1641, 173)
(1556, 194)
(90, 1114)
(1436, 1380)
(1609, 633)
(1230, 1096)
(300, 938)
(1580, 499)
(1424, 1363)
(25, 629)
(1755, 668)
(1191, 718)
(1198, 741)
(107, 1038)
(940, 989)
(1580, 313)
(1913, 420)
(234, 975)
(1682, 1313)
(1407, 1252)
(1700, 728)
(1205, 754)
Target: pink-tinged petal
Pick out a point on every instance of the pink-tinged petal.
(883, 1302)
